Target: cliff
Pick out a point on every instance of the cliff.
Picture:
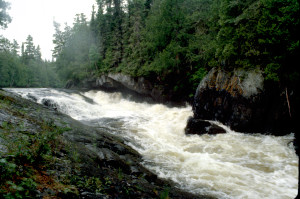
(244, 101)
(139, 87)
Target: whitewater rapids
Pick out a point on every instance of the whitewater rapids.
(229, 166)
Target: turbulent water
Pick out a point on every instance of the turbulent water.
(231, 165)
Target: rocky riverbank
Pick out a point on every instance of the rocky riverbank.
(139, 87)
(244, 101)
(47, 154)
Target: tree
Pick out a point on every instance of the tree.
(72, 49)
(37, 54)
(259, 34)
(5, 44)
(134, 25)
(58, 40)
(29, 52)
(15, 47)
(94, 57)
(4, 17)
(278, 39)
(173, 43)
(27, 70)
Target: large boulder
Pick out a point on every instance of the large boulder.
(244, 101)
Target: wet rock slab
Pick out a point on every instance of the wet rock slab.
(88, 154)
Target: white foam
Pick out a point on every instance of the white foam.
(231, 165)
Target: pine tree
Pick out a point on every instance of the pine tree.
(38, 54)
(29, 50)
(15, 47)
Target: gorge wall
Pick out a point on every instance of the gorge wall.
(241, 99)
(244, 101)
(139, 86)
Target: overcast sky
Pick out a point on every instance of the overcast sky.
(35, 18)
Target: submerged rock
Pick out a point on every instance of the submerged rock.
(49, 103)
(244, 101)
(198, 126)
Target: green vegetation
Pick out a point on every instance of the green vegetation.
(4, 17)
(172, 43)
(29, 155)
(25, 155)
(24, 69)
(74, 51)
(27, 69)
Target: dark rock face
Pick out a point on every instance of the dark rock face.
(138, 87)
(120, 82)
(243, 101)
(198, 126)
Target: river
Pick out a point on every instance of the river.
(231, 165)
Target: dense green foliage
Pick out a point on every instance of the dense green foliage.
(259, 34)
(173, 43)
(27, 69)
(74, 50)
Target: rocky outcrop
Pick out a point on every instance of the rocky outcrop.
(139, 88)
(244, 101)
(139, 85)
(86, 162)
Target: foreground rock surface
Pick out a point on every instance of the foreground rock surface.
(245, 102)
(85, 162)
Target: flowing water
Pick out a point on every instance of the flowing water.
(231, 165)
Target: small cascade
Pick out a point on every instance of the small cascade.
(231, 165)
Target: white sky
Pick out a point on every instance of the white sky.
(35, 18)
